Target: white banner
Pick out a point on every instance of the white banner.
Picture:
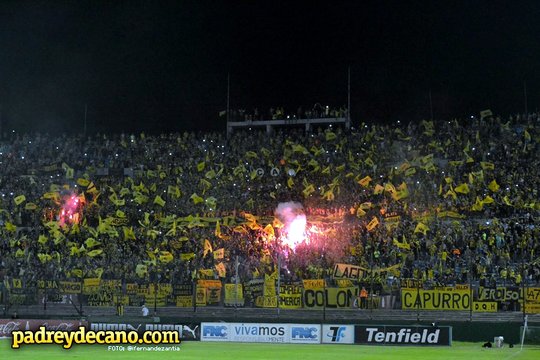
(245, 332)
(337, 334)
(305, 333)
(215, 332)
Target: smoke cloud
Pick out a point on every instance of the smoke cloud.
(292, 215)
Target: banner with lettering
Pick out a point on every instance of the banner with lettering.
(313, 283)
(447, 299)
(329, 297)
(234, 295)
(347, 271)
(213, 291)
(290, 296)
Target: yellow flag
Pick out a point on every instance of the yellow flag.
(10, 227)
(92, 189)
(493, 186)
(118, 202)
(360, 212)
(389, 187)
(20, 199)
(403, 167)
(207, 272)
(330, 136)
(83, 182)
(269, 230)
(200, 166)
(487, 165)
(139, 198)
(462, 189)
(365, 181)
(196, 199)
(410, 171)
(165, 257)
(487, 200)
(158, 200)
(77, 273)
(300, 149)
(124, 191)
(174, 191)
(478, 205)
(401, 193)
(129, 234)
(527, 135)
(378, 189)
(290, 183)
(42, 239)
(222, 272)
(30, 206)
(95, 252)
(207, 247)
(187, 256)
(451, 193)
(276, 223)
(91, 242)
(369, 162)
(241, 229)
(219, 254)
(51, 195)
(141, 270)
(404, 245)
(308, 190)
(372, 224)
(366, 205)
(421, 228)
(329, 195)
(210, 174)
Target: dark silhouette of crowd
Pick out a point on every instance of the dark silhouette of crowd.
(151, 203)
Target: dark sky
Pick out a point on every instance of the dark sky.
(162, 66)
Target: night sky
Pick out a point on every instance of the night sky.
(162, 66)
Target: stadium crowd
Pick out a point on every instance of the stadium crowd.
(443, 201)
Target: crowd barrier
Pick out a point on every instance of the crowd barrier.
(315, 294)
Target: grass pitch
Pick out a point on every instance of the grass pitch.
(238, 351)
